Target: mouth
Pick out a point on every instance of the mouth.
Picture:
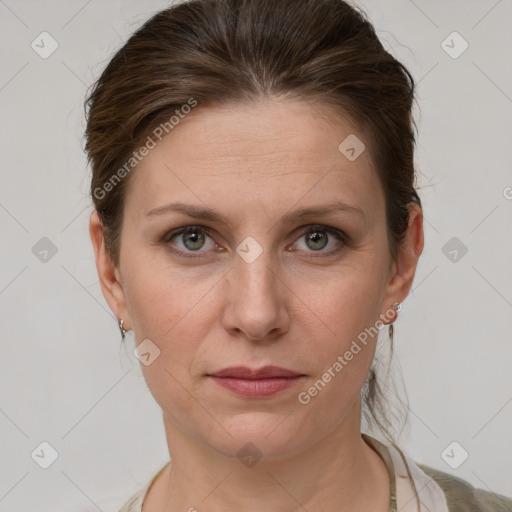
(266, 372)
(257, 388)
(256, 383)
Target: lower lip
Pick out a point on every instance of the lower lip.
(257, 387)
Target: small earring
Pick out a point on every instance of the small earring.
(397, 307)
(122, 329)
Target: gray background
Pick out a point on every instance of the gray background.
(64, 378)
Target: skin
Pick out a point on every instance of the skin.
(253, 163)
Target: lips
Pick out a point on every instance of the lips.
(256, 382)
(266, 372)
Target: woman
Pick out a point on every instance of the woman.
(256, 224)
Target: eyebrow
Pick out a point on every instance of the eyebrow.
(205, 213)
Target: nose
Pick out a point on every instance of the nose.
(257, 300)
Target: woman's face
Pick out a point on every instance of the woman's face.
(264, 282)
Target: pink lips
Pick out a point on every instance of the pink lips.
(242, 372)
(260, 382)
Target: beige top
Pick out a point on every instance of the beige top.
(437, 491)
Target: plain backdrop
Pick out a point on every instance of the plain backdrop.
(65, 381)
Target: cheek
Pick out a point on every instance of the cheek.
(173, 309)
(344, 315)
(164, 310)
(162, 313)
(347, 302)
(346, 355)
(160, 298)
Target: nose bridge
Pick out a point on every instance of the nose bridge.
(255, 297)
(254, 267)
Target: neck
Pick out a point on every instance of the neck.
(338, 473)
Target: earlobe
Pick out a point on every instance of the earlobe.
(108, 273)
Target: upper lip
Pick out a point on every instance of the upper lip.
(242, 372)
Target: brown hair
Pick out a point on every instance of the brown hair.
(219, 51)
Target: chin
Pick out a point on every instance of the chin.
(260, 436)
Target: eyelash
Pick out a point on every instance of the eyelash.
(169, 236)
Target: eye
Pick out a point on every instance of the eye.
(317, 238)
(193, 239)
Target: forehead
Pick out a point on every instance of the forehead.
(270, 154)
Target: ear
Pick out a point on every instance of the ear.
(109, 275)
(404, 267)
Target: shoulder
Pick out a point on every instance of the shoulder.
(461, 496)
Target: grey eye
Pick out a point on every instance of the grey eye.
(194, 238)
(318, 239)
